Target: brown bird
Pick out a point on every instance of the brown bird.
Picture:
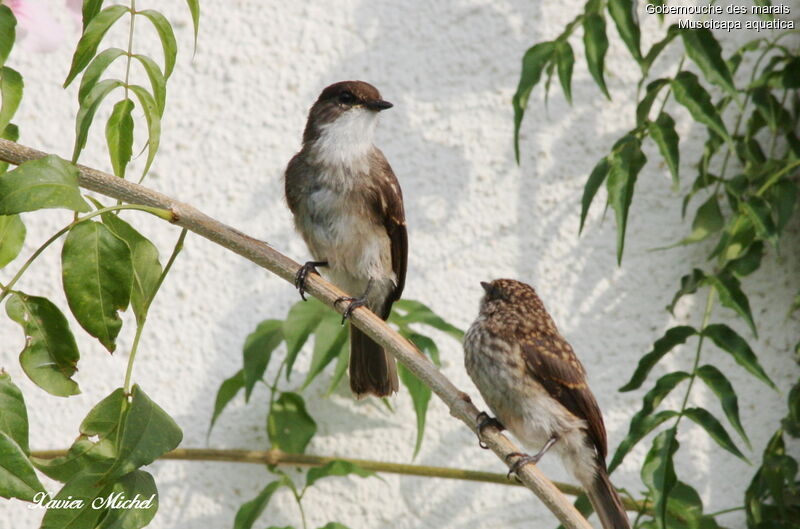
(348, 207)
(536, 387)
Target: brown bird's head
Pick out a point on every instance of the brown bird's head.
(509, 293)
(347, 110)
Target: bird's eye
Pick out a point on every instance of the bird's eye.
(347, 98)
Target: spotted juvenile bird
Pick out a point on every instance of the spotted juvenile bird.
(536, 387)
(348, 207)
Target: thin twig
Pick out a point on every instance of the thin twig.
(277, 457)
(267, 257)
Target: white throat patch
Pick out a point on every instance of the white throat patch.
(348, 139)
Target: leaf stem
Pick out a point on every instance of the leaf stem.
(726, 511)
(706, 317)
(132, 356)
(140, 324)
(130, 46)
(7, 289)
(669, 88)
(175, 251)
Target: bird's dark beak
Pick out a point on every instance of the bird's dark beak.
(378, 105)
(486, 286)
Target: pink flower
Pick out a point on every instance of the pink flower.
(37, 29)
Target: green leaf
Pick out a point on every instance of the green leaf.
(90, 10)
(566, 60)
(11, 133)
(651, 92)
(689, 285)
(289, 426)
(50, 355)
(758, 211)
(533, 62)
(249, 512)
(749, 262)
(48, 182)
(420, 397)
(623, 12)
(144, 259)
(714, 429)
(119, 136)
(148, 432)
(658, 472)
(11, 91)
(87, 110)
(165, 33)
(662, 130)
(782, 197)
(83, 487)
(257, 351)
(194, 8)
(96, 69)
(303, 318)
(13, 415)
(8, 23)
(330, 339)
(137, 483)
(424, 344)
(157, 81)
(739, 234)
(702, 47)
(596, 44)
(731, 296)
(17, 476)
(658, 47)
(644, 421)
(336, 468)
(625, 162)
(334, 525)
(12, 236)
(771, 110)
(685, 507)
(153, 117)
(722, 388)
(229, 388)
(341, 367)
(92, 35)
(412, 311)
(662, 388)
(689, 92)
(98, 275)
(596, 179)
(707, 220)
(729, 341)
(83, 456)
(103, 419)
(672, 338)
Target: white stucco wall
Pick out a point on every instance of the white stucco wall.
(235, 114)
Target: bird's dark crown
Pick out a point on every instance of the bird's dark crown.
(349, 93)
(337, 99)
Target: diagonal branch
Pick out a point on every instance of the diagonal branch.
(267, 257)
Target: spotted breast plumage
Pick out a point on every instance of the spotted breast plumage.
(534, 384)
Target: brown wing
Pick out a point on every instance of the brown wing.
(389, 207)
(552, 362)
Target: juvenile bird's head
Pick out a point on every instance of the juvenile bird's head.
(509, 294)
(341, 123)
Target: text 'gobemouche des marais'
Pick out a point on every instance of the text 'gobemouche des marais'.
(710, 10)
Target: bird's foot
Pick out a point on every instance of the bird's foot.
(360, 301)
(301, 275)
(523, 459)
(485, 420)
